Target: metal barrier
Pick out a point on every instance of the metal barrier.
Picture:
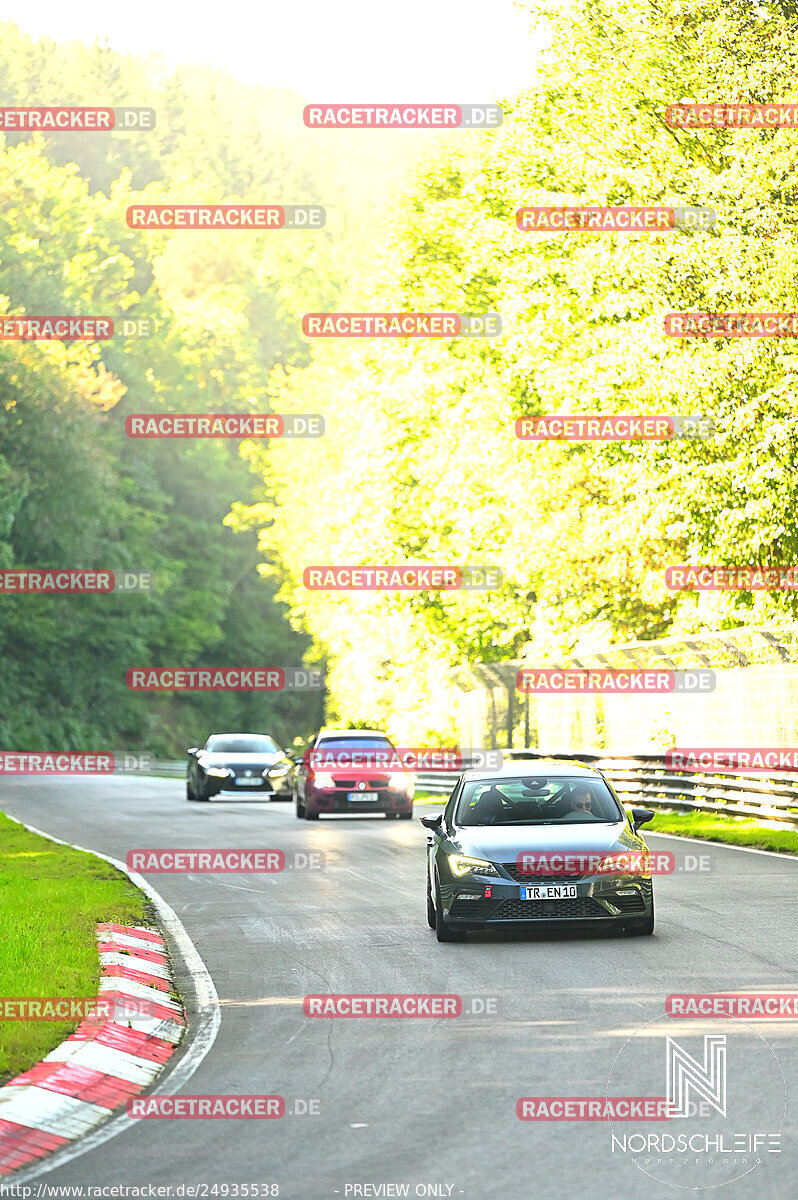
(647, 779)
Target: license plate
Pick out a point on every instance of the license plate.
(352, 796)
(249, 782)
(550, 891)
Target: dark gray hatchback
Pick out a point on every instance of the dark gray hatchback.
(537, 842)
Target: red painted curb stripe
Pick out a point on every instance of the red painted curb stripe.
(84, 1083)
(119, 1037)
(146, 955)
(150, 1008)
(19, 1144)
(146, 935)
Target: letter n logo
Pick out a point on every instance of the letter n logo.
(707, 1080)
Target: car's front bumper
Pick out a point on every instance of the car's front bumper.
(596, 902)
(378, 800)
(264, 789)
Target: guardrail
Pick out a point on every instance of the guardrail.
(646, 778)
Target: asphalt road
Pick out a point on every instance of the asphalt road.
(431, 1103)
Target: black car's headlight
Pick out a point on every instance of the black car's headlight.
(463, 864)
(276, 772)
(217, 772)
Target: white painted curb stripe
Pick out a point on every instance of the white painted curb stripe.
(52, 1112)
(132, 987)
(106, 1059)
(111, 959)
(124, 939)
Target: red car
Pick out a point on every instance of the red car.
(352, 770)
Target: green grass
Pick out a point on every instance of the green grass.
(51, 898)
(738, 831)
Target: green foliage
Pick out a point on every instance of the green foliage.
(74, 490)
(422, 462)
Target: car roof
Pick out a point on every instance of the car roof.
(535, 766)
(252, 735)
(351, 733)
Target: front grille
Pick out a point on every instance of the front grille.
(520, 876)
(548, 910)
(377, 781)
(628, 904)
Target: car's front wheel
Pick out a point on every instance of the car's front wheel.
(430, 906)
(190, 793)
(443, 930)
(310, 815)
(406, 816)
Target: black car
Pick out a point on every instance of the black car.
(532, 843)
(245, 763)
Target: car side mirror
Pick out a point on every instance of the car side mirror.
(433, 823)
(193, 750)
(640, 816)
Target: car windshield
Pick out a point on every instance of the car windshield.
(537, 800)
(241, 745)
(345, 752)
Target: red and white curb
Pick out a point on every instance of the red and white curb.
(103, 1063)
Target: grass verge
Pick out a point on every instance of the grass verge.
(737, 831)
(51, 898)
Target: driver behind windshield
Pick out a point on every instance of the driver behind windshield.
(535, 801)
(581, 800)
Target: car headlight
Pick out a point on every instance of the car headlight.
(626, 863)
(400, 782)
(276, 772)
(461, 864)
(217, 772)
(323, 779)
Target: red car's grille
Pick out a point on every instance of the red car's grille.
(374, 781)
